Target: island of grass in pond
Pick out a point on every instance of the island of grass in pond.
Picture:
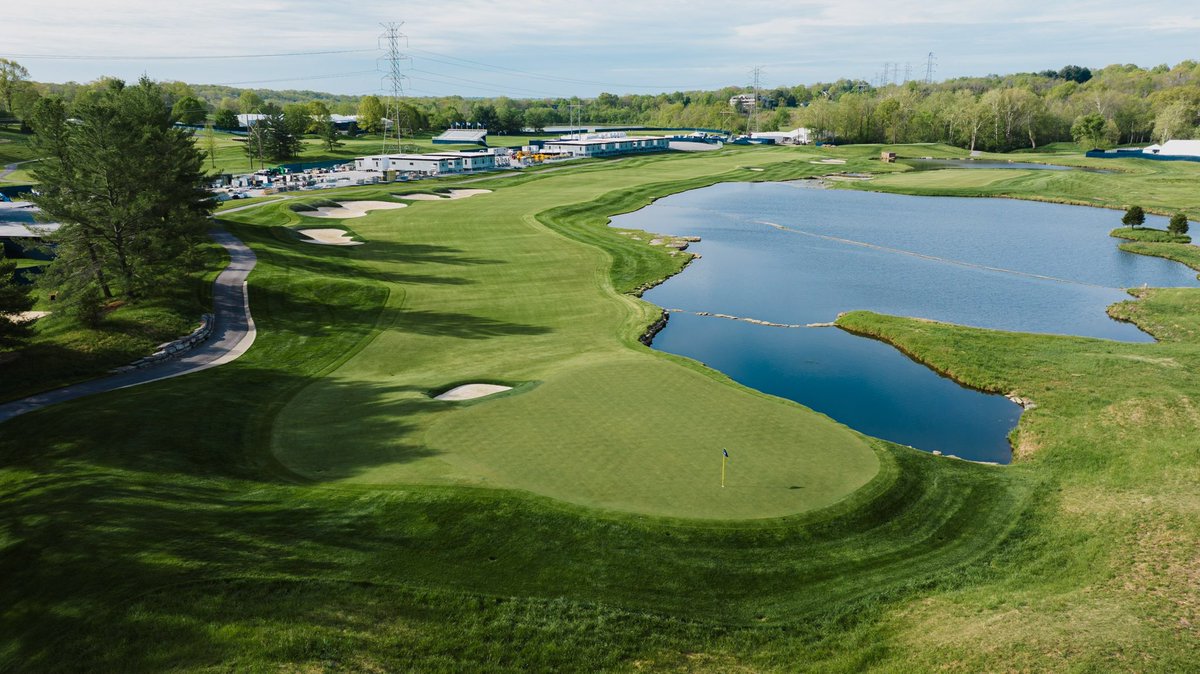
(783, 253)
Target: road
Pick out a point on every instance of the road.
(233, 333)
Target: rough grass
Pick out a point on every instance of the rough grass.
(1149, 235)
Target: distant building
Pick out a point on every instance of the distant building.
(409, 163)
(743, 102)
(800, 136)
(462, 137)
(470, 161)
(606, 147)
(1175, 148)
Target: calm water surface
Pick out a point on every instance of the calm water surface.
(786, 253)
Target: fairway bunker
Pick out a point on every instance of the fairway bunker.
(472, 391)
(451, 195)
(828, 161)
(328, 237)
(353, 209)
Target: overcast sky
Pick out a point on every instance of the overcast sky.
(543, 48)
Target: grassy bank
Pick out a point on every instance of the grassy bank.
(62, 350)
(304, 507)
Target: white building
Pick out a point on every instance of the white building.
(481, 160)
(800, 136)
(409, 163)
(1176, 148)
(604, 147)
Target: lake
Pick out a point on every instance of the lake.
(791, 254)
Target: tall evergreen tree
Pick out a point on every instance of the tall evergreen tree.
(14, 299)
(127, 186)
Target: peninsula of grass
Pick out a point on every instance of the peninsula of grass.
(1149, 235)
(309, 506)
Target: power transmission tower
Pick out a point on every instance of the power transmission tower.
(929, 63)
(907, 72)
(753, 118)
(392, 63)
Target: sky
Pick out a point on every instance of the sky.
(552, 48)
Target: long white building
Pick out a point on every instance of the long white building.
(425, 164)
(604, 147)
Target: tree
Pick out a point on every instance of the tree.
(189, 110)
(127, 186)
(1134, 217)
(271, 137)
(250, 102)
(297, 117)
(1075, 74)
(318, 113)
(329, 134)
(13, 77)
(226, 119)
(14, 299)
(1176, 120)
(210, 142)
(1178, 224)
(1089, 131)
(370, 114)
(537, 118)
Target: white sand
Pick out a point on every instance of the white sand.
(328, 237)
(829, 161)
(453, 194)
(755, 168)
(352, 209)
(28, 316)
(472, 391)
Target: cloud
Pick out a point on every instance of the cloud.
(626, 45)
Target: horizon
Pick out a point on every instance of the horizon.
(548, 49)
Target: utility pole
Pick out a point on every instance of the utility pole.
(577, 120)
(929, 62)
(393, 78)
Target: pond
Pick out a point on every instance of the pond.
(790, 254)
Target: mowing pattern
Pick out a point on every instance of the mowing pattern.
(180, 543)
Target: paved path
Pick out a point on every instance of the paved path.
(233, 333)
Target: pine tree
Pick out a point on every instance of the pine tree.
(126, 185)
(14, 299)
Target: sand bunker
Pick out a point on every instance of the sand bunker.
(329, 237)
(829, 161)
(452, 194)
(754, 168)
(352, 209)
(28, 316)
(472, 391)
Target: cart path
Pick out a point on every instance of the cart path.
(233, 333)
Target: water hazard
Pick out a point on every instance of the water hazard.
(788, 254)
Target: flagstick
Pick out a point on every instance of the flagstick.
(723, 460)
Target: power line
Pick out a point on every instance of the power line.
(552, 78)
(78, 57)
(930, 62)
(298, 79)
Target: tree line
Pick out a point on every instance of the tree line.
(1118, 104)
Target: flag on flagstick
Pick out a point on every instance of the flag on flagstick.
(724, 458)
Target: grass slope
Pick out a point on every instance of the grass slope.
(137, 546)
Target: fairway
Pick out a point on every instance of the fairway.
(950, 178)
(480, 290)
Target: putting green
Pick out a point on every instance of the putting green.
(481, 291)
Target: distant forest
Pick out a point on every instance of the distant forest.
(1118, 104)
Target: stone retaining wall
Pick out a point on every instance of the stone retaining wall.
(172, 349)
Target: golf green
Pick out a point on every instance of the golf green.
(481, 291)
